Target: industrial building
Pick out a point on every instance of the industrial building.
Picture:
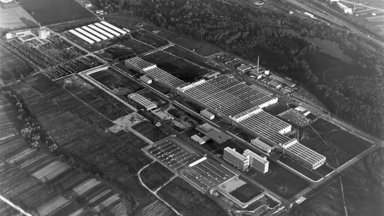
(236, 159)
(81, 36)
(198, 139)
(304, 155)
(226, 95)
(245, 160)
(261, 145)
(206, 114)
(146, 79)
(107, 29)
(213, 133)
(139, 64)
(256, 161)
(149, 105)
(241, 105)
(152, 71)
(97, 32)
(92, 26)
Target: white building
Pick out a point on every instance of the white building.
(236, 159)
(44, 33)
(256, 161)
(149, 105)
(261, 145)
(146, 79)
(206, 114)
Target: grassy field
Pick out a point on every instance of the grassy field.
(15, 18)
(176, 66)
(116, 81)
(328, 139)
(246, 192)
(189, 201)
(149, 131)
(155, 175)
(150, 39)
(12, 67)
(280, 180)
(55, 11)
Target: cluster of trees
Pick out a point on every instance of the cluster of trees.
(278, 37)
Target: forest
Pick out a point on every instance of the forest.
(277, 37)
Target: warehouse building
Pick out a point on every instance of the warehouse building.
(304, 155)
(146, 79)
(241, 105)
(261, 145)
(236, 159)
(213, 133)
(139, 64)
(147, 104)
(206, 114)
(256, 161)
(152, 71)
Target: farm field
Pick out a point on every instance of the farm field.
(15, 18)
(155, 175)
(12, 67)
(55, 11)
(176, 66)
(108, 155)
(187, 200)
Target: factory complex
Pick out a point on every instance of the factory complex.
(239, 104)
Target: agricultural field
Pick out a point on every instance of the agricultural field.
(112, 156)
(330, 140)
(280, 180)
(149, 131)
(116, 82)
(149, 38)
(98, 99)
(187, 200)
(156, 175)
(12, 67)
(15, 18)
(176, 66)
(55, 11)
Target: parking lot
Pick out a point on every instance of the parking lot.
(170, 152)
(207, 174)
(175, 155)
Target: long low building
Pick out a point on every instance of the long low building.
(149, 105)
(305, 155)
(152, 71)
